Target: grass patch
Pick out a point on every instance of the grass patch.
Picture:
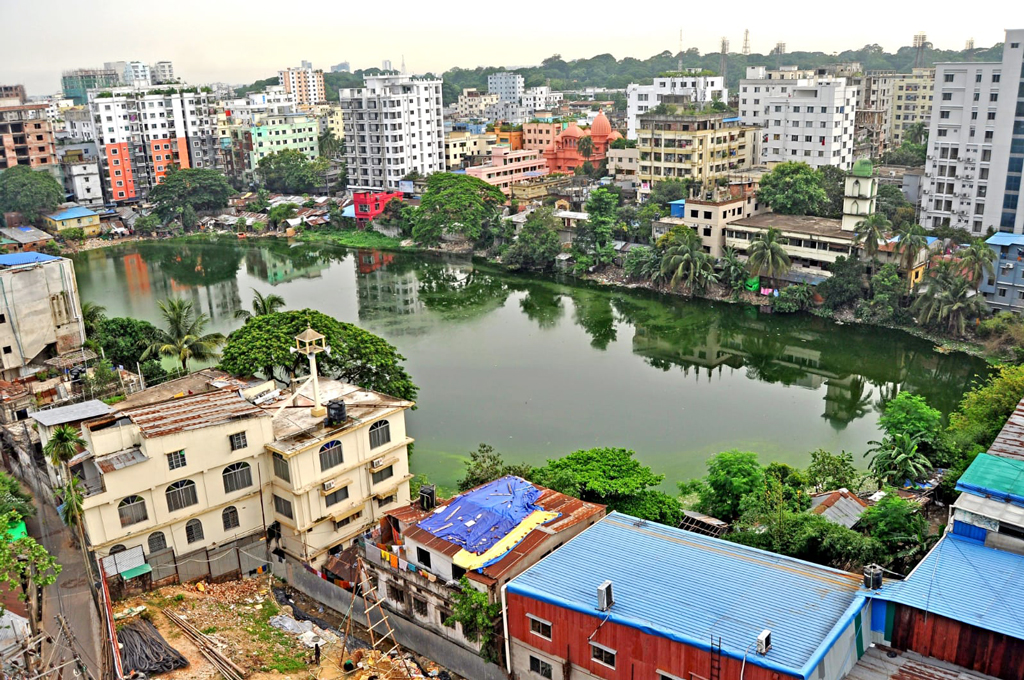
(354, 238)
(283, 652)
(209, 630)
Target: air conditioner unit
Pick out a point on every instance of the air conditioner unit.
(931, 157)
(764, 642)
(960, 159)
(377, 462)
(927, 174)
(329, 485)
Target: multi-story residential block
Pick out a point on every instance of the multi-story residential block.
(82, 169)
(137, 74)
(540, 99)
(343, 67)
(701, 146)
(474, 104)
(458, 145)
(306, 84)
(709, 211)
(976, 144)
(143, 132)
(162, 72)
(913, 96)
(26, 138)
(117, 67)
(12, 95)
(273, 133)
(539, 135)
(509, 167)
(393, 125)
(78, 124)
(872, 121)
(700, 89)
(1004, 290)
(508, 86)
(77, 83)
(623, 164)
(42, 314)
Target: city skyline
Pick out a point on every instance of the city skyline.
(256, 46)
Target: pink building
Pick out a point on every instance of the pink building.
(509, 167)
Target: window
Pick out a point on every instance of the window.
(230, 517)
(419, 605)
(380, 433)
(157, 541)
(237, 476)
(193, 531)
(344, 522)
(176, 459)
(948, 78)
(330, 455)
(445, 616)
(281, 467)
(1001, 292)
(993, 96)
(540, 627)
(947, 96)
(336, 497)
(117, 548)
(238, 441)
(181, 494)
(396, 594)
(387, 500)
(995, 77)
(943, 114)
(380, 475)
(132, 510)
(602, 655)
(283, 507)
(423, 557)
(541, 668)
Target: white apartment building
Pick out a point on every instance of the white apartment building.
(393, 125)
(307, 84)
(137, 74)
(78, 123)
(642, 98)
(912, 99)
(163, 72)
(473, 104)
(508, 86)
(811, 120)
(976, 144)
(144, 131)
(540, 99)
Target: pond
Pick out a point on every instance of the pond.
(538, 367)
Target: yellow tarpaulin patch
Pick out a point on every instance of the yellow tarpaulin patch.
(468, 560)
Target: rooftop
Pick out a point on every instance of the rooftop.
(1004, 239)
(994, 477)
(186, 413)
(205, 380)
(70, 414)
(840, 506)
(25, 234)
(704, 586)
(798, 224)
(19, 259)
(963, 580)
(1009, 443)
(72, 213)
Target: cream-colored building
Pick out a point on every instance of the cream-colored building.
(459, 144)
(700, 146)
(912, 98)
(473, 104)
(623, 164)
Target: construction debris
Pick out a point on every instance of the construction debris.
(144, 649)
(308, 634)
(224, 665)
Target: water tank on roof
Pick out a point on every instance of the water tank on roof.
(428, 497)
(336, 413)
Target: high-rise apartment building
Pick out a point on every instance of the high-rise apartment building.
(473, 103)
(508, 86)
(144, 131)
(137, 74)
(393, 125)
(343, 67)
(811, 120)
(77, 83)
(874, 110)
(912, 100)
(700, 90)
(976, 144)
(269, 134)
(306, 84)
(26, 138)
(163, 72)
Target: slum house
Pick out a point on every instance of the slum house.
(47, 421)
(632, 599)
(489, 534)
(24, 239)
(840, 507)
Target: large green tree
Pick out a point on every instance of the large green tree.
(24, 563)
(913, 238)
(290, 172)
(456, 205)
(686, 262)
(732, 475)
(195, 188)
(357, 356)
(485, 465)
(537, 244)
(592, 242)
(124, 340)
(948, 300)
(833, 182)
(909, 413)
(767, 255)
(977, 261)
(185, 337)
(31, 192)
(793, 189)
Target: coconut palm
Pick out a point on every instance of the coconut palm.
(261, 305)
(585, 147)
(686, 261)
(913, 239)
(977, 261)
(896, 459)
(71, 509)
(767, 255)
(915, 133)
(330, 145)
(185, 337)
(734, 271)
(948, 299)
(62, 446)
(871, 231)
(92, 316)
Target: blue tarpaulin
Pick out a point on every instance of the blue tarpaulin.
(480, 518)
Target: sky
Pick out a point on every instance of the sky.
(238, 42)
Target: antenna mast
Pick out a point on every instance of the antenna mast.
(679, 67)
(746, 41)
(723, 60)
(919, 42)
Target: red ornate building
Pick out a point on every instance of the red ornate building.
(563, 154)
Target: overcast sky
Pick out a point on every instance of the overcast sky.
(238, 42)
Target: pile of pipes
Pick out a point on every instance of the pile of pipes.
(144, 649)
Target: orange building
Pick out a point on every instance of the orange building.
(513, 139)
(563, 154)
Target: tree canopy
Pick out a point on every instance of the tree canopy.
(33, 193)
(456, 204)
(192, 188)
(793, 189)
(731, 476)
(537, 244)
(357, 356)
(291, 172)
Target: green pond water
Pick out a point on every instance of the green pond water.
(539, 367)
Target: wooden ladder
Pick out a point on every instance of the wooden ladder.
(382, 635)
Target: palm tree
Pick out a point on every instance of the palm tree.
(913, 239)
(586, 147)
(896, 458)
(871, 231)
(767, 255)
(62, 446)
(734, 271)
(977, 261)
(184, 337)
(950, 299)
(686, 261)
(915, 133)
(261, 305)
(92, 316)
(330, 145)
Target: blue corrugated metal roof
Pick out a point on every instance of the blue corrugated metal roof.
(15, 259)
(348, 211)
(1003, 239)
(681, 201)
(963, 580)
(72, 213)
(688, 587)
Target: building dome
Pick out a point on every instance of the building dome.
(600, 127)
(863, 168)
(573, 130)
(614, 135)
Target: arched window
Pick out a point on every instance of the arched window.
(230, 516)
(193, 531)
(117, 548)
(181, 494)
(132, 510)
(330, 455)
(856, 208)
(157, 542)
(380, 433)
(237, 476)
(856, 187)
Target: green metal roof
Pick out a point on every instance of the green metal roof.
(994, 477)
(136, 571)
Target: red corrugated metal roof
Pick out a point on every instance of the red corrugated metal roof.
(1010, 441)
(192, 413)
